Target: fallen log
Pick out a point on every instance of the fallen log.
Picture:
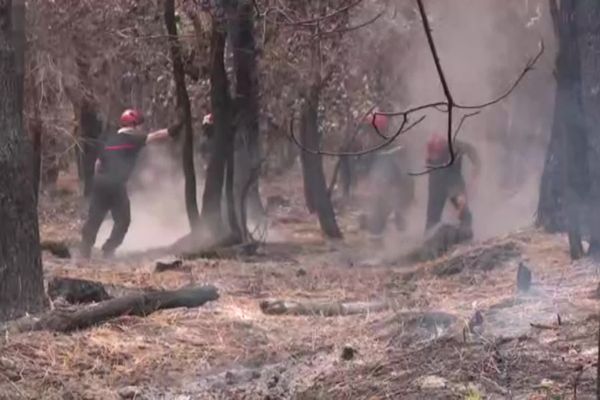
(323, 308)
(138, 305)
(77, 291)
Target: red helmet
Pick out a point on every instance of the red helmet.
(131, 118)
(436, 146)
(380, 121)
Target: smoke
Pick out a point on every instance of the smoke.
(158, 216)
(483, 46)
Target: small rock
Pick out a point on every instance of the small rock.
(431, 382)
(301, 272)
(547, 383)
(348, 353)
(129, 392)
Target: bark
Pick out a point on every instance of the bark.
(315, 186)
(183, 103)
(90, 130)
(36, 137)
(140, 305)
(588, 38)
(241, 28)
(21, 280)
(232, 216)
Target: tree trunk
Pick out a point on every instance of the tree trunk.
(315, 187)
(183, 102)
(588, 24)
(21, 278)
(90, 129)
(241, 30)
(224, 136)
(551, 212)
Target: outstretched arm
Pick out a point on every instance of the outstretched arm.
(162, 134)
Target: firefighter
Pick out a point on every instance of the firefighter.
(448, 183)
(115, 163)
(352, 167)
(393, 191)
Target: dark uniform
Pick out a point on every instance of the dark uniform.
(448, 183)
(109, 192)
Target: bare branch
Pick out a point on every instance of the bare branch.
(528, 67)
(351, 28)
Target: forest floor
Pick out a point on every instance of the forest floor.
(426, 345)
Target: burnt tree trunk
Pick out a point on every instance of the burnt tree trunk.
(183, 103)
(21, 277)
(588, 40)
(315, 186)
(90, 126)
(224, 134)
(232, 217)
(551, 211)
(241, 30)
(569, 136)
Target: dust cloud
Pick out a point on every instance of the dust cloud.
(158, 216)
(483, 46)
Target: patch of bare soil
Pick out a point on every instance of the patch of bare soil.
(455, 327)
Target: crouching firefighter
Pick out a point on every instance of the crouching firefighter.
(449, 183)
(113, 168)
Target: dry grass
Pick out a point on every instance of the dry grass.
(189, 352)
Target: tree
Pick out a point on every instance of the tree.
(222, 157)
(247, 154)
(565, 178)
(587, 18)
(183, 102)
(21, 277)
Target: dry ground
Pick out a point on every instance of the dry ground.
(420, 348)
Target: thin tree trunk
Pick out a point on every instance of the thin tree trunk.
(224, 136)
(21, 278)
(315, 185)
(551, 211)
(241, 28)
(183, 102)
(90, 127)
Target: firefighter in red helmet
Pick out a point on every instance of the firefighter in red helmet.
(448, 183)
(113, 167)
